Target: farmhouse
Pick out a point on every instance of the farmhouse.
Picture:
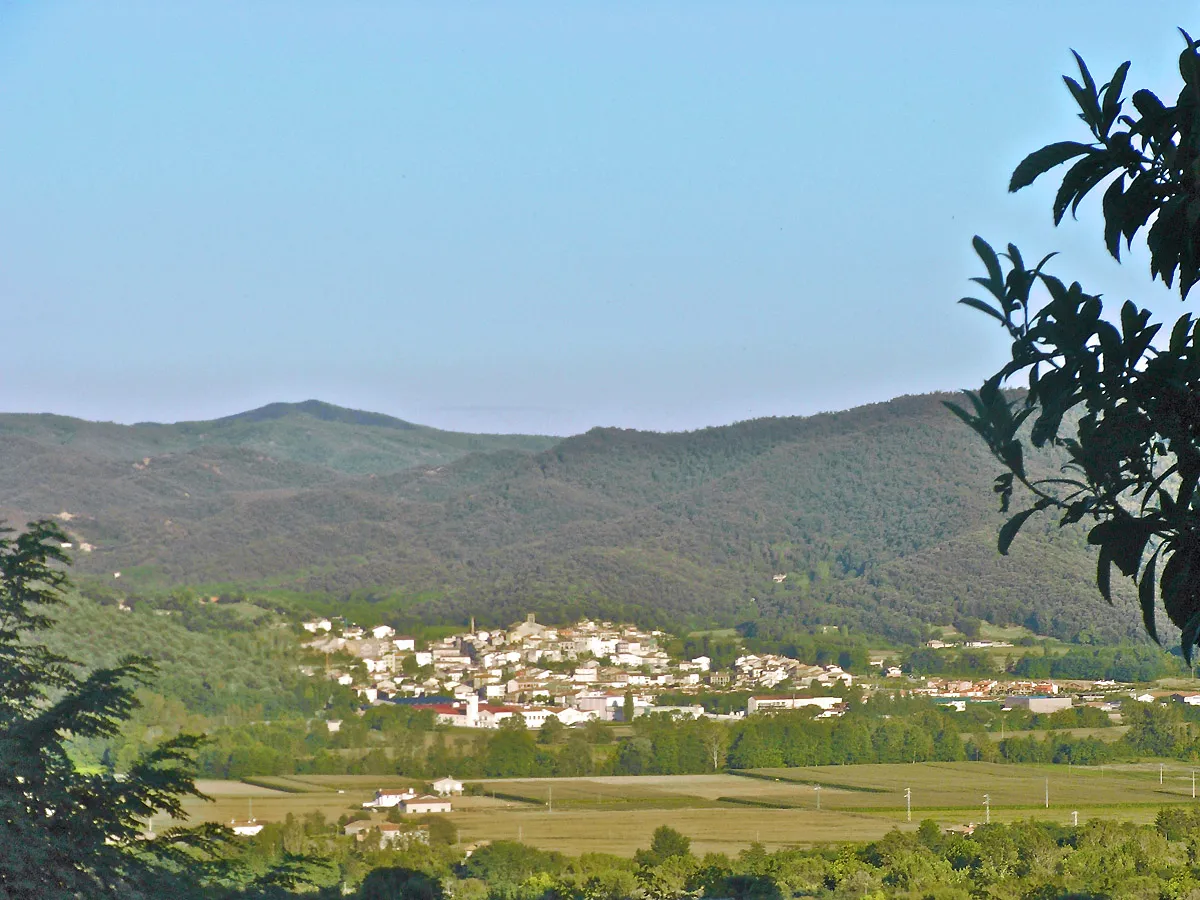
(358, 828)
(425, 803)
(443, 787)
(386, 799)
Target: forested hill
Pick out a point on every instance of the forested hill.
(881, 518)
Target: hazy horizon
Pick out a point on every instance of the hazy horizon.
(302, 401)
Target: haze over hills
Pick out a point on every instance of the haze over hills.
(881, 518)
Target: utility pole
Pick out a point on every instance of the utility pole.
(987, 809)
(1160, 773)
(817, 788)
(908, 804)
(1074, 818)
(1047, 793)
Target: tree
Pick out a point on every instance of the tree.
(1108, 429)
(552, 731)
(715, 738)
(63, 832)
(665, 843)
(400, 884)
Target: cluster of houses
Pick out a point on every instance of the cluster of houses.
(479, 678)
(590, 670)
(984, 688)
(938, 644)
(769, 670)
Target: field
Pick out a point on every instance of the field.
(727, 812)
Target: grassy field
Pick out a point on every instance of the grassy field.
(719, 812)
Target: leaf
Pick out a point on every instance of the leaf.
(1111, 105)
(990, 260)
(1083, 70)
(982, 307)
(1146, 597)
(1190, 637)
(1179, 334)
(1011, 527)
(1104, 574)
(1114, 220)
(1041, 161)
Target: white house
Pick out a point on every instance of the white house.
(491, 716)
(386, 799)
(570, 716)
(584, 675)
(404, 643)
(358, 828)
(318, 625)
(379, 632)
(443, 787)
(759, 704)
(246, 827)
(426, 803)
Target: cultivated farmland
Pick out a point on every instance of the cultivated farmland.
(726, 812)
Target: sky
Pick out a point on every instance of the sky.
(531, 217)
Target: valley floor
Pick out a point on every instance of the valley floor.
(726, 813)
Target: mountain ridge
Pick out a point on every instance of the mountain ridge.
(880, 517)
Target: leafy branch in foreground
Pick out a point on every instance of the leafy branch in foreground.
(68, 833)
(1122, 408)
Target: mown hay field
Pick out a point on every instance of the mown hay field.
(726, 813)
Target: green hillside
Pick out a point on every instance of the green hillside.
(310, 433)
(880, 517)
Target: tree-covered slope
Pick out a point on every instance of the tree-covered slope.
(311, 433)
(880, 517)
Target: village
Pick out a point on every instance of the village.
(590, 670)
(599, 670)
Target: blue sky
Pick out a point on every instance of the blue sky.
(529, 217)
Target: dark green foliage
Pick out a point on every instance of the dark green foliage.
(1126, 663)
(884, 731)
(665, 843)
(1116, 411)
(1024, 859)
(400, 884)
(65, 833)
(69, 833)
(874, 515)
(509, 863)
